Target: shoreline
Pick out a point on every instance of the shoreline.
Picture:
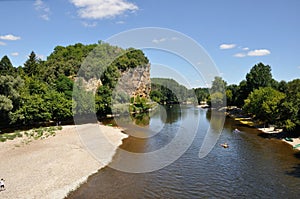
(55, 166)
(237, 116)
(293, 141)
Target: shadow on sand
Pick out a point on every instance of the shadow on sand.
(295, 172)
(280, 135)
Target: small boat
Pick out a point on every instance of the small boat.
(236, 131)
(225, 145)
(288, 139)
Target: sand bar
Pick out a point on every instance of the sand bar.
(52, 167)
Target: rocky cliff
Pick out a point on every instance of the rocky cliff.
(135, 82)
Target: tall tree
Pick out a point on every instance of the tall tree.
(201, 94)
(217, 97)
(9, 91)
(32, 65)
(259, 76)
(264, 104)
(231, 94)
(218, 85)
(6, 67)
(64, 85)
(290, 109)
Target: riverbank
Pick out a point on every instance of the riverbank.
(238, 116)
(52, 167)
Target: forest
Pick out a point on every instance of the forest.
(259, 96)
(168, 91)
(41, 91)
(262, 97)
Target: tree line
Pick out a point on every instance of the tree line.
(262, 97)
(168, 91)
(41, 90)
(258, 95)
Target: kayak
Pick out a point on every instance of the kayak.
(288, 139)
(296, 146)
(225, 145)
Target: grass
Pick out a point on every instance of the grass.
(36, 134)
(10, 136)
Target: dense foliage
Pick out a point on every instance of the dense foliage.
(168, 91)
(260, 96)
(266, 99)
(217, 96)
(42, 91)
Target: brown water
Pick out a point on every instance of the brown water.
(252, 166)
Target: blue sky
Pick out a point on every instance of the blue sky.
(236, 34)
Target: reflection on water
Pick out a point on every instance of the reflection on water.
(252, 167)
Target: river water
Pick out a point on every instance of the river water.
(252, 166)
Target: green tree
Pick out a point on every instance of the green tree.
(84, 100)
(264, 104)
(290, 108)
(231, 94)
(6, 67)
(217, 97)
(218, 85)
(32, 65)
(259, 76)
(103, 99)
(33, 110)
(282, 86)
(35, 86)
(58, 105)
(10, 91)
(242, 93)
(202, 94)
(64, 85)
(170, 91)
(156, 96)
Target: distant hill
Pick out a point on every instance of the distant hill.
(168, 91)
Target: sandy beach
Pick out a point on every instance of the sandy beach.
(52, 167)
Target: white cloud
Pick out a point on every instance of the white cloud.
(159, 40)
(89, 25)
(164, 39)
(9, 37)
(227, 46)
(15, 54)
(240, 55)
(120, 22)
(100, 9)
(2, 43)
(43, 9)
(245, 49)
(259, 52)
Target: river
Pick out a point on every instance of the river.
(252, 166)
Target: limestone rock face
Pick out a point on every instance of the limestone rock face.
(90, 85)
(135, 82)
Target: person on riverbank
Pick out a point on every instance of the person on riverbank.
(2, 185)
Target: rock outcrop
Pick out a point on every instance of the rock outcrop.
(135, 82)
